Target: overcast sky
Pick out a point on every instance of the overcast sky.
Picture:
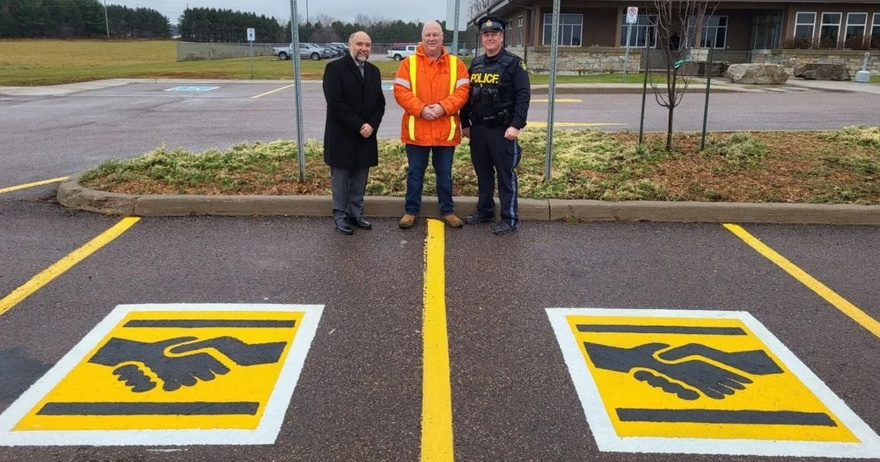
(344, 10)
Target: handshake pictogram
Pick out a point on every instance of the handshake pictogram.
(181, 361)
(685, 371)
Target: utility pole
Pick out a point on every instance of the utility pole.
(106, 22)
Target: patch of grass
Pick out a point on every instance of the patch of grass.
(738, 151)
(803, 167)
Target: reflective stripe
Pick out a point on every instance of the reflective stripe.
(453, 73)
(412, 72)
(461, 82)
(402, 82)
(412, 79)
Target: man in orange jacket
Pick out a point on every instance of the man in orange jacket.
(431, 86)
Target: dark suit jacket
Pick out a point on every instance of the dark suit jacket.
(352, 100)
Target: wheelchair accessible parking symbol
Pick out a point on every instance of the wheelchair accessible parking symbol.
(701, 382)
(170, 374)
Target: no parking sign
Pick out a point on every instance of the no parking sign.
(632, 14)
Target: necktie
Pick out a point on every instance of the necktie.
(361, 68)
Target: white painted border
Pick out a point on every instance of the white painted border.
(607, 439)
(265, 433)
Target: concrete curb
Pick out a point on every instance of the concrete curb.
(72, 195)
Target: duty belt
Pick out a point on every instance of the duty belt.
(501, 118)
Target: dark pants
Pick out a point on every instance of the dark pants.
(348, 186)
(492, 154)
(441, 159)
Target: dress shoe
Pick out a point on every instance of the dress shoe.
(453, 220)
(360, 223)
(343, 227)
(407, 221)
(503, 227)
(478, 217)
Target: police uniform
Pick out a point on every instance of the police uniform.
(499, 98)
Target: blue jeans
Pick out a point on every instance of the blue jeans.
(441, 159)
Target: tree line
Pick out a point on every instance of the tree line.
(78, 19)
(86, 19)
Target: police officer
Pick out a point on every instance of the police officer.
(496, 111)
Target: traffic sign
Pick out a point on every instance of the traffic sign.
(632, 14)
(701, 382)
(251, 34)
(170, 375)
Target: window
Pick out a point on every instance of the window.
(570, 29)
(804, 24)
(644, 32)
(855, 24)
(519, 31)
(829, 33)
(714, 33)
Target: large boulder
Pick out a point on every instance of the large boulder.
(760, 74)
(821, 71)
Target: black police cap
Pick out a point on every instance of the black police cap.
(491, 23)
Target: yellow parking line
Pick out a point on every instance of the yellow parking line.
(436, 387)
(829, 295)
(273, 91)
(57, 269)
(31, 185)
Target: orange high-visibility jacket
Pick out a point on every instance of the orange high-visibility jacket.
(421, 81)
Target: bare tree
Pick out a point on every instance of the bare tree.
(479, 7)
(679, 24)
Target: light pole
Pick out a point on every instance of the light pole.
(106, 22)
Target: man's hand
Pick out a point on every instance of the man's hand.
(438, 109)
(511, 133)
(366, 130)
(466, 132)
(428, 113)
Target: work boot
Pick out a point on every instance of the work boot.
(478, 217)
(452, 220)
(407, 221)
(503, 227)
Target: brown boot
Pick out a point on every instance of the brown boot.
(407, 221)
(453, 220)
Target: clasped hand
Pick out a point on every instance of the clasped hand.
(432, 111)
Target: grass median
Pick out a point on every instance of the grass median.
(836, 167)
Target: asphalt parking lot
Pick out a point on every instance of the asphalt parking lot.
(277, 338)
(359, 393)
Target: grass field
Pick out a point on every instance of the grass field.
(49, 62)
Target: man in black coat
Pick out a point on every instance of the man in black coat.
(355, 106)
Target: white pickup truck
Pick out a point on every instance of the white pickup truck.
(398, 53)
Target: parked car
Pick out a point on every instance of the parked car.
(400, 52)
(335, 49)
(306, 51)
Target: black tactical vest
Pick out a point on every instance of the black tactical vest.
(490, 87)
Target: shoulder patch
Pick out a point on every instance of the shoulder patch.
(522, 64)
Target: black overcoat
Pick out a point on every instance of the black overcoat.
(352, 100)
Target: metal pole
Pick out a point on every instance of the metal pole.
(626, 56)
(551, 91)
(252, 60)
(106, 21)
(644, 92)
(294, 50)
(706, 108)
(455, 28)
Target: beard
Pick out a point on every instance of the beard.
(361, 56)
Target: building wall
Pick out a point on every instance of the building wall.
(789, 58)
